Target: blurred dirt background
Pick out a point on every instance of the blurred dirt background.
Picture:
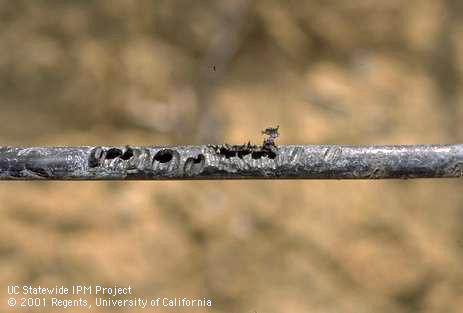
(177, 72)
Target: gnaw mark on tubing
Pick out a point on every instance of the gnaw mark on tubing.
(98, 155)
(164, 156)
(240, 151)
(194, 165)
(268, 148)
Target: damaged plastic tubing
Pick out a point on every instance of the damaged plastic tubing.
(231, 162)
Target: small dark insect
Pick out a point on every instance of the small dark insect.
(272, 132)
(213, 68)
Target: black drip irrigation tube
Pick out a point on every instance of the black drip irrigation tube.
(207, 162)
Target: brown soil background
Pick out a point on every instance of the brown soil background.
(142, 73)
